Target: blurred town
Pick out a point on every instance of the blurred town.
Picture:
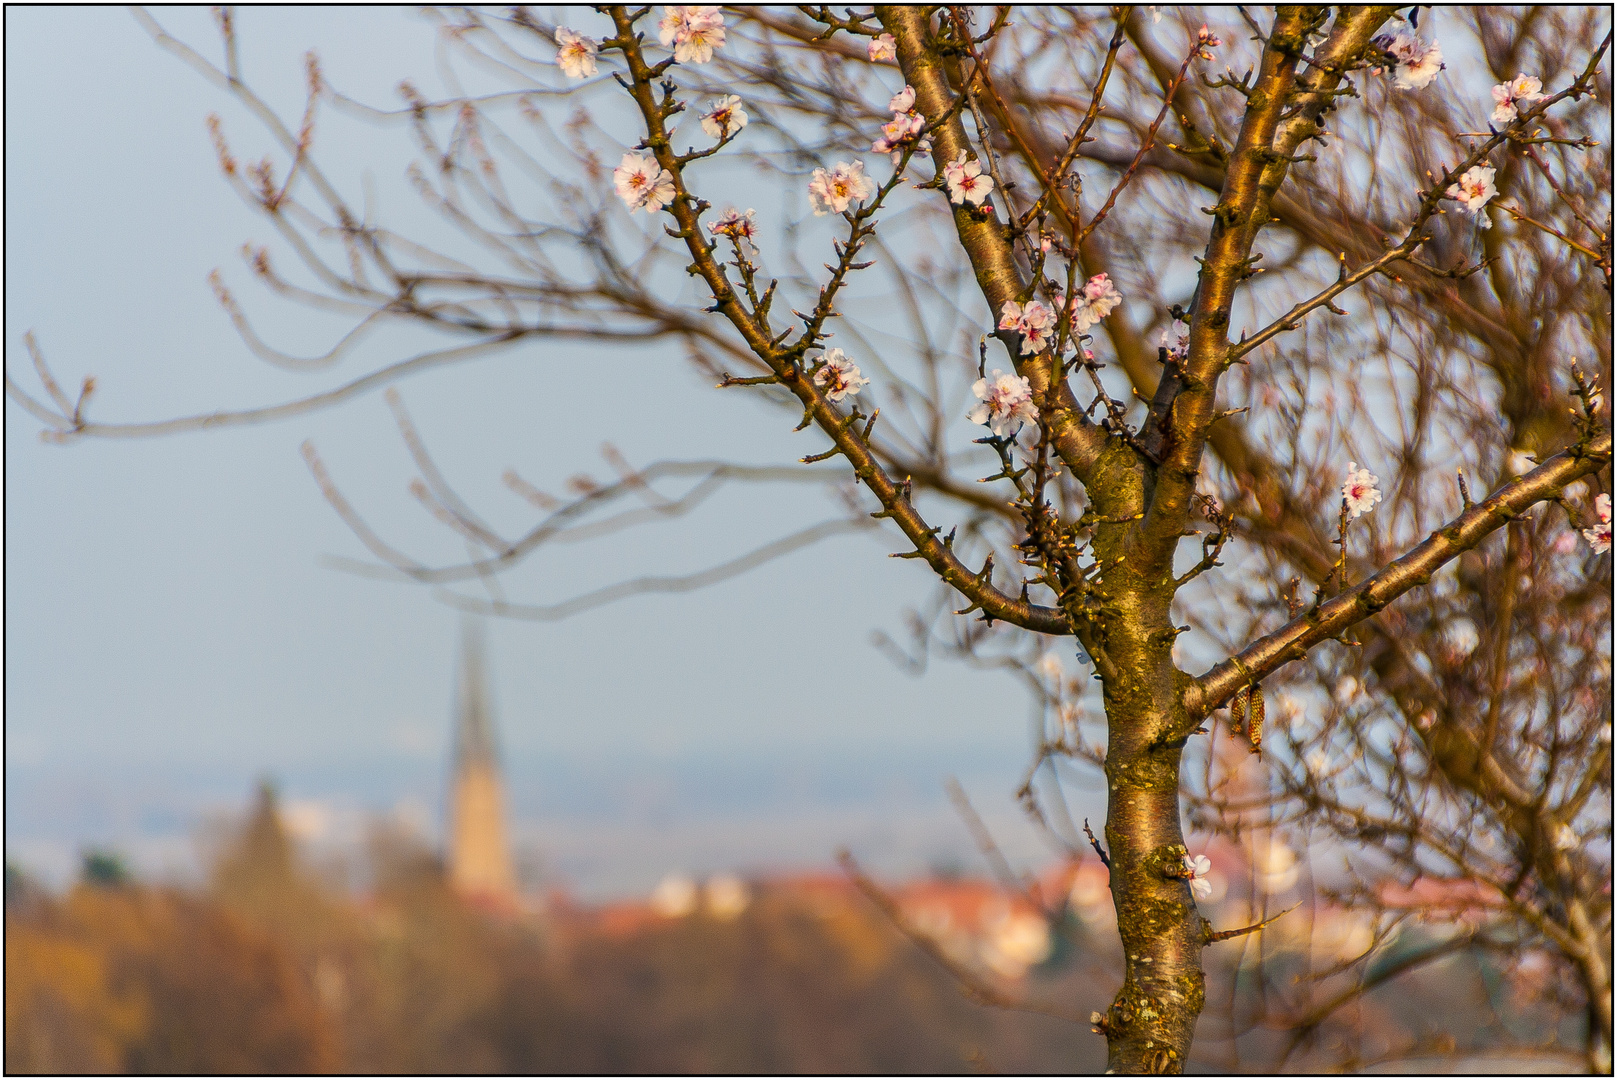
(438, 962)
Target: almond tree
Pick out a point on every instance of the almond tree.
(1044, 171)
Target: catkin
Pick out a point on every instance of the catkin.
(1238, 711)
(1254, 729)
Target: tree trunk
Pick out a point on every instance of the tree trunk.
(1153, 1018)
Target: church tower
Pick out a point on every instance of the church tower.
(479, 858)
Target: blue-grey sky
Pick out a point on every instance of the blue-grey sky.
(171, 633)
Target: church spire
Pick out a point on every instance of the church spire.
(479, 857)
(474, 726)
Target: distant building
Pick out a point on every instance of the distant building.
(479, 855)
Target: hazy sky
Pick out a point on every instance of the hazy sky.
(171, 633)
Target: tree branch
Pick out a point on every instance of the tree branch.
(1330, 620)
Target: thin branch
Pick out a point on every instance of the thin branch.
(682, 583)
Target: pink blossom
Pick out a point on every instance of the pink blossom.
(903, 101)
(1197, 869)
(1599, 536)
(694, 30)
(575, 53)
(832, 192)
(966, 181)
(1033, 320)
(1473, 190)
(1360, 491)
(839, 376)
(726, 117)
(899, 132)
(883, 47)
(1095, 302)
(1007, 403)
(1510, 96)
(642, 183)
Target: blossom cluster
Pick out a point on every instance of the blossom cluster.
(1206, 42)
(904, 129)
(1093, 302)
(642, 184)
(737, 226)
(1599, 536)
(1006, 403)
(1509, 97)
(1415, 62)
(883, 47)
(1033, 320)
(1360, 492)
(834, 191)
(693, 30)
(839, 376)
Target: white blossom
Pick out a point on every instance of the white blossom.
(1317, 763)
(839, 376)
(694, 30)
(726, 117)
(575, 53)
(966, 181)
(1474, 189)
(1050, 667)
(1416, 62)
(1347, 688)
(1562, 838)
(643, 184)
(1460, 639)
(1360, 491)
(1007, 403)
(1096, 301)
(883, 47)
(1509, 97)
(1176, 339)
(1033, 320)
(903, 101)
(1599, 536)
(1197, 869)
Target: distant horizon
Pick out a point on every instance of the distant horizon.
(597, 854)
